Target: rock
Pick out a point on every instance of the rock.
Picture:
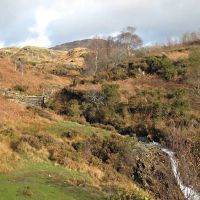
(152, 171)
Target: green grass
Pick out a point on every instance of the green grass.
(60, 127)
(46, 182)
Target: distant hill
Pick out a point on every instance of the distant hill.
(87, 43)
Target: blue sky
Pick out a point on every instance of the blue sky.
(50, 22)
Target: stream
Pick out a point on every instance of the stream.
(189, 192)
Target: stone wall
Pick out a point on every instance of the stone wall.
(23, 98)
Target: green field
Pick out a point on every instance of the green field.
(46, 182)
(59, 127)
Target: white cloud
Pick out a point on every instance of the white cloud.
(49, 22)
(2, 44)
(40, 37)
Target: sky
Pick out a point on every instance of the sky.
(47, 23)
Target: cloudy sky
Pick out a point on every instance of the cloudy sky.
(50, 22)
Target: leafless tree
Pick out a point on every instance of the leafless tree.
(98, 58)
(130, 39)
(19, 65)
(186, 38)
(95, 97)
(190, 37)
(113, 50)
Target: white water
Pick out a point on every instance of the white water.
(188, 192)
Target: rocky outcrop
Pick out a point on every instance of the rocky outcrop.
(24, 99)
(152, 171)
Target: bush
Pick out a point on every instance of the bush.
(118, 73)
(156, 105)
(102, 76)
(144, 131)
(180, 104)
(126, 196)
(96, 106)
(79, 146)
(182, 67)
(62, 98)
(162, 66)
(112, 95)
(194, 70)
(20, 88)
(73, 108)
(39, 111)
(60, 71)
(116, 151)
(70, 134)
(104, 109)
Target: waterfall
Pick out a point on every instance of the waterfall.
(188, 192)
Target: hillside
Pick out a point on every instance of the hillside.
(39, 69)
(87, 43)
(92, 137)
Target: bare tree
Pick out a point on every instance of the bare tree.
(96, 98)
(130, 39)
(190, 37)
(186, 38)
(19, 64)
(113, 50)
(98, 58)
(97, 46)
(194, 36)
(100, 52)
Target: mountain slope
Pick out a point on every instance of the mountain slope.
(87, 43)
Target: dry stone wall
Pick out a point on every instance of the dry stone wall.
(24, 99)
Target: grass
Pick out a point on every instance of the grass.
(44, 181)
(57, 128)
(60, 127)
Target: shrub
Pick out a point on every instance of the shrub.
(133, 72)
(154, 105)
(144, 132)
(60, 101)
(182, 67)
(162, 66)
(58, 152)
(60, 71)
(102, 76)
(20, 88)
(104, 108)
(69, 134)
(27, 192)
(127, 196)
(118, 73)
(112, 94)
(79, 146)
(31, 140)
(180, 104)
(116, 151)
(194, 70)
(73, 108)
(95, 106)
(39, 111)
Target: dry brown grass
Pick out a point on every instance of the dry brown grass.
(35, 81)
(129, 86)
(11, 111)
(8, 159)
(176, 55)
